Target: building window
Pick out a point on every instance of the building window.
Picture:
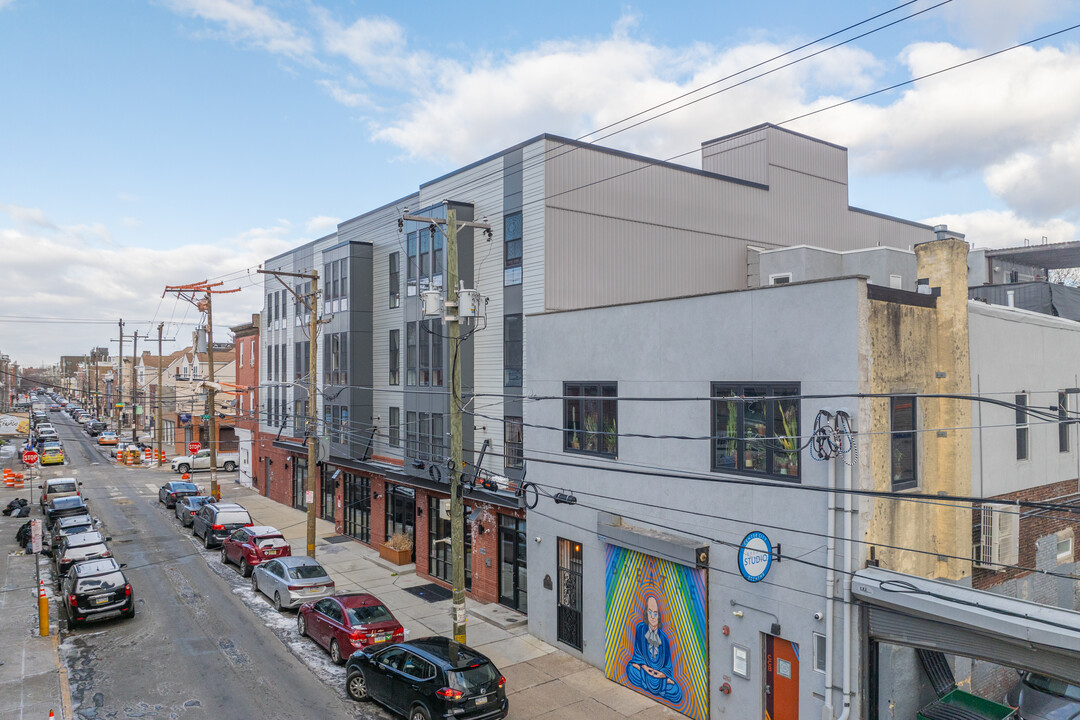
(401, 512)
(410, 264)
(395, 279)
(1063, 422)
(819, 652)
(512, 350)
(439, 549)
(903, 447)
(513, 445)
(590, 418)
(395, 357)
(512, 242)
(412, 444)
(394, 430)
(1064, 548)
(435, 327)
(343, 274)
(756, 435)
(1021, 427)
(780, 278)
(425, 354)
(410, 353)
(336, 359)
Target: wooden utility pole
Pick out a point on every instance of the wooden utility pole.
(119, 382)
(158, 428)
(312, 304)
(134, 384)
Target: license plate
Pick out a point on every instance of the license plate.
(481, 700)
(101, 599)
(270, 552)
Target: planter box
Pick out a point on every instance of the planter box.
(397, 557)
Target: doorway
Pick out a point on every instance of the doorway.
(358, 507)
(781, 679)
(299, 483)
(513, 569)
(401, 513)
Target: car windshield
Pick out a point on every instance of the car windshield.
(1054, 687)
(369, 614)
(109, 581)
(52, 451)
(307, 572)
(63, 487)
(271, 543)
(471, 678)
(184, 487)
(197, 500)
(67, 503)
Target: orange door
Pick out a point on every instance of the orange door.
(781, 679)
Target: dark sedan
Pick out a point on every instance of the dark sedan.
(186, 507)
(64, 507)
(344, 624)
(170, 491)
(429, 678)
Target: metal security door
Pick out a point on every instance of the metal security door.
(358, 507)
(570, 595)
(781, 679)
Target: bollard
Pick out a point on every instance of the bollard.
(43, 611)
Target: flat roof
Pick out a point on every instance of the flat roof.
(1052, 256)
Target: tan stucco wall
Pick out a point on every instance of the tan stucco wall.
(909, 347)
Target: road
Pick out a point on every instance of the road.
(197, 647)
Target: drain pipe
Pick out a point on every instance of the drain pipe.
(848, 511)
(830, 583)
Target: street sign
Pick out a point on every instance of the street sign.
(309, 496)
(193, 447)
(35, 535)
(119, 405)
(29, 457)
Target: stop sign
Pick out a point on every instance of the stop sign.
(193, 447)
(29, 457)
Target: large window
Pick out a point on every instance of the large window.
(410, 264)
(336, 359)
(394, 430)
(395, 279)
(439, 555)
(513, 445)
(424, 353)
(1021, 427)
(590, 418)
(755, 429)
(410, 353)
(336, 277)
(412, 444)
(435, 327)
(430, 441)
(1063, 422)
(512, 239)
(512, 350)
(395, 357)
(903, 445)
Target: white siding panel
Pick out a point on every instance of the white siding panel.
(534, 225)
(746, 158)
(806, 155)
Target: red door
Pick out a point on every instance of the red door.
(781, 679)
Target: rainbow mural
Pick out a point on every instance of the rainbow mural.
(657, 633)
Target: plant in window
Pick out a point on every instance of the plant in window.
(591, 427)
(611, 437)
(788, 461)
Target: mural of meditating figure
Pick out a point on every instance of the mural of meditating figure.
(651, 668)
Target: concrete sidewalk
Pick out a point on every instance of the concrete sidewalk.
(542, 681)
(32, 681)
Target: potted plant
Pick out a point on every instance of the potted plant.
(398, 549)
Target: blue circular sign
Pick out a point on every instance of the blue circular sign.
(755, 556)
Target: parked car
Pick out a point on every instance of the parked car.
(57, 488)
(187, 506)
(1038, 697)
(216, 521)
(64, 507)
(47, 435)
(71, 525)
(95, 590)
(343, 624)
(95, 427)
(292, 581)
(77, 548)
(432, 677)
(227, 461)
(52, 454)
(107, 437)
(170, 491)
(248, 547)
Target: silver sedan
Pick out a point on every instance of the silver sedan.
(292, 581)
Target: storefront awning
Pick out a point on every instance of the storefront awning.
(934, 615)
(291, 446)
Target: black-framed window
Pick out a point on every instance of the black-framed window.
(513, 361)
(1022, 450)
(411, 358)
(437, 255)
(513, 443)
(393, 431)
(400, 512)
(412, 443)
(395, 279)
(903, 442)
(1063, 422)
(755, 435)
(512, 248)
(435, 327)
(423, 266)
(423, 450)
(425, 354)
(591, 418)
(410, 264)
(439, 549)
(395, 357)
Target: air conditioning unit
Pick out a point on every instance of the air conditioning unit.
(999, 537)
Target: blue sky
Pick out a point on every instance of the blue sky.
(189, 138)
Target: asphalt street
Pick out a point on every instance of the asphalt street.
(197, 648)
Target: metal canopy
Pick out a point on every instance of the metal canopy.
(917, 612)
(1053, 256)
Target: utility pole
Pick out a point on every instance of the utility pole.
(205, 304)
(452, 317)
(160, 401)
(134, 384)
(120, 382)
(312, 304)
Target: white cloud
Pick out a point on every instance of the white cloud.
(376, 45)
(1042, 183)
(1004, 228)
(994, 24)
(321, 225)
(130, 222)
(345, 96)
(25, 216)
(5, 3)
(247, 22)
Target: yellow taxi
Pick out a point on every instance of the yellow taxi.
(52, 454)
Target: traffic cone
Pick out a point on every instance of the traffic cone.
(52, 715)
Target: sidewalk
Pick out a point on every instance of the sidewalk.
(543, 683)
(31, 680)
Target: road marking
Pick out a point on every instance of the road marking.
(66, 710)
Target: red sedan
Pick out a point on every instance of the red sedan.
(344, 624)
(250, 546)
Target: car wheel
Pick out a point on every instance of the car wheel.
(230, 466)
(128, 614)
(183, 468)
(254, 585)
(356, 686)
(335, 653)
(224, 556)
(245, 569)
(277, 602)
(419, 713)
(206, 541)
(301, 625)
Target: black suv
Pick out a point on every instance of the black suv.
(433, 677)
(64, 507)
(95, 590)
(70, 525)
(216, 521)
(95, 427)
(77, 548)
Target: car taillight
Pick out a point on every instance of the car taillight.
(399, 633)
(192, 512)
(449, 693)
(107, 553)
(73, 601)
(502, 680)
(172, 495)
(127, 590)
(294, 588)
(250, 525)
(357, 636)
(217, 527)
(63, 559)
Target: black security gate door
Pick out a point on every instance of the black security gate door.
(570, 600)
(357, 507)
(513, 569)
